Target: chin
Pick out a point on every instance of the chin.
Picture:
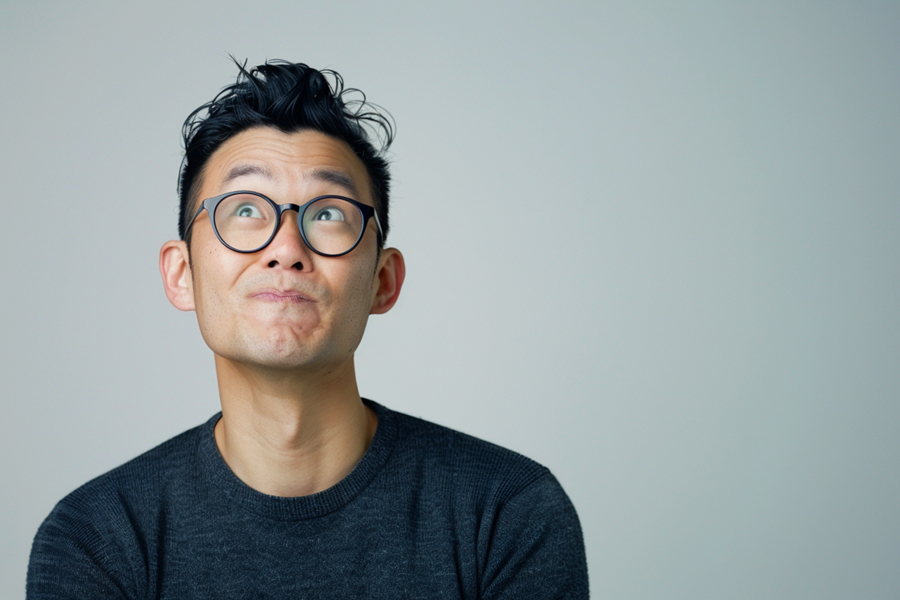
(287, 354)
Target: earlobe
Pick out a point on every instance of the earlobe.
(388, 280)
(174, 266)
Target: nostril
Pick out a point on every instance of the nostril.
(298, 266)
(272, 263)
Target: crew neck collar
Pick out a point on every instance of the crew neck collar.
(300, 507)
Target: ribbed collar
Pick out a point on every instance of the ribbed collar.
(302, 507)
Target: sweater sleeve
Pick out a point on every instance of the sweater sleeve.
(72, 559)
(536, 547)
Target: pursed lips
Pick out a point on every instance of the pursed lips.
(288, 296)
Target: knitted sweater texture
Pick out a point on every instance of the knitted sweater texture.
(427, 513)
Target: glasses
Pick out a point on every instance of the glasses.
(248, 221)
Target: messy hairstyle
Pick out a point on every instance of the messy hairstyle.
(290, 97)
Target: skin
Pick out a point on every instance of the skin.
(284, 323)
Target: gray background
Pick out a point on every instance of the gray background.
(652, 246)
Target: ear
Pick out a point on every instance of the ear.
(389, 278)
(175, 268)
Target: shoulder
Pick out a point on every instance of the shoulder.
(100, 526)
(468, 461)
(135, 481)
(512, 509)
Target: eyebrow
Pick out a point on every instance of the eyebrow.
(336, 177)
(243, 170)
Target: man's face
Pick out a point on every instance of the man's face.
(283, 306)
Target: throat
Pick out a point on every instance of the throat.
(297, 452)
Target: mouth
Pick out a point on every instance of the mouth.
(281, 296)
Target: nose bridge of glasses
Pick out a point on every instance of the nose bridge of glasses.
(284, 208)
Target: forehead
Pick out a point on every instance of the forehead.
(282, 162)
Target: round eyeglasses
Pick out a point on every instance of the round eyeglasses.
(248, 221)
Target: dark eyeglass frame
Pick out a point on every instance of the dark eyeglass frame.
(210, 204)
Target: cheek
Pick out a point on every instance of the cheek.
(358, 296)
(210, 312)
(212, 281)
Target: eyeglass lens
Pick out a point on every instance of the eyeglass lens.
(247, 222)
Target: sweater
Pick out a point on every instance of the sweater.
(427, 513)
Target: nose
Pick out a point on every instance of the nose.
(287, 249)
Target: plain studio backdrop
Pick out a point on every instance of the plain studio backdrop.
(652, 246)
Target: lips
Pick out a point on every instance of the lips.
(276, 295)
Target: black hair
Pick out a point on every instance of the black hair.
(290, 97)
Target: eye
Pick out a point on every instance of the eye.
(248, 210)
(330, 213)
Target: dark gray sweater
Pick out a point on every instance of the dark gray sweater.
(427, 513)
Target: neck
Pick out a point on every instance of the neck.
(285, 433)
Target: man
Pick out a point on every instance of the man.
(300, 488)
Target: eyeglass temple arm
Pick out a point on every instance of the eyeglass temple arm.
(377, 224)
(194, 218)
